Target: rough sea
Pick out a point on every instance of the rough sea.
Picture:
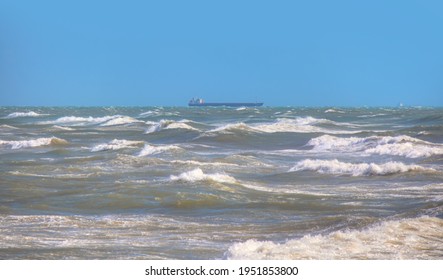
(221, 183)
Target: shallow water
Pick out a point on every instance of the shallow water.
(213, 183)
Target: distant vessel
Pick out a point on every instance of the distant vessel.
(200, 103)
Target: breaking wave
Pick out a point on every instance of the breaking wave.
(169, 124)
(58, 127)
(415, 238)
(117, 145)
(297, 125)
(33, 143)
(103, 121)
(24, 114)
(198, 175)
(356, 169)
(121, 120)
(383, 145)
(153, 150)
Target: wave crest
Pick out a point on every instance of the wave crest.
(356, 169)
(14, 145)
(24, 114)
(117, 145)
(153, 150)
(198, 175)
(297, 125)
(169, 124)
(415, 238)
(402, 145)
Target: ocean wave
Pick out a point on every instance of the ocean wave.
(169, 124)
(153, 150)
(80, 121)
(334, 111)
(158, 112)
(121, 120)
(57, 176)
(203, 163)
(401, 145)
(59, 127)
(357, 169)
(117, 145)
(24, 114)
(198, 175)
(14, 145)
(7, 127)
(297, 125)
(414, 238)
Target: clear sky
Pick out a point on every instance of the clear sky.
(298, 53)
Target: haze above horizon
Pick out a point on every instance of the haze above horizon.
(282, 53)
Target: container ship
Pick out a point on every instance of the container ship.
(198, 102)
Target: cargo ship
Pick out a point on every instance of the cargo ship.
(198, 102)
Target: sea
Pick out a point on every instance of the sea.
(221, 183)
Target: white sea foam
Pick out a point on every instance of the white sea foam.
(297, 125)
(153, 150)
(415, 238)
(402, 145)
(198, 175)
(169, 124)
(33, 143)
(334, 111)
(103, 121)
(24, 114)
(228, 128)
(59, 127)
(72, 120)
(121, 120)
(356, 169)
(149, 113)
(240, 109)
(117, 145)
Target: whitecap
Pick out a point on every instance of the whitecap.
(153, 150)
(401, 145)
(59, 127)
(281, 125)
(117, 145)
(80, 121)
(198, 175)
(414, 238)
(334, 111)
(169, 124)
(121, 120)
(33, 143)
(24, 114)
(357, 169)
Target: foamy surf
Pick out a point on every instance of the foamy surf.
(169, 124)
(286, 125)
(415, 238)
(120, 120)
(24, 114)
(401, 145)
(81, 121)
(336, 167)
(39, 142)
(153, 150)
(117, 144)
(198, 175)
(227, 182)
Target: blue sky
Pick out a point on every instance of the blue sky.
(298, 53)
